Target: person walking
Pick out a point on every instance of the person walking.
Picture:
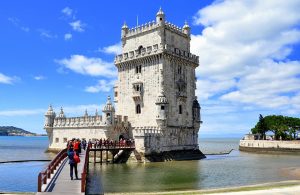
(76, 146)
(84, 144)
(72, 162)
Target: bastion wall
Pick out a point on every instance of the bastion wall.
(269, 146)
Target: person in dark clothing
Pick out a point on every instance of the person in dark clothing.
(84, 144)
(73, 164)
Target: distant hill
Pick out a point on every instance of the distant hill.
(14, 131)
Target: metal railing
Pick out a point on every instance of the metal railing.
(112, 145)
(45, 174)
(85, 169)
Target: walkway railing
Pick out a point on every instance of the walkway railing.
(44, 175)
(113, 145)
(85, 170)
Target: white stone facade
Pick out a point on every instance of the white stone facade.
(154, 96)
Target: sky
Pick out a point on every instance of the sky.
(61, 53)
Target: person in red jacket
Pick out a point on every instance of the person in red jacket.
(72, 162)
(76, 146)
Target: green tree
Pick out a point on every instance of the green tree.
(261, 127)
(283, 127)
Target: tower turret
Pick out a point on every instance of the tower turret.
(124, 32)
(196, 112)
(186, 29)
(86, 113)
(160, 17)
(161, 104)
(62, 114)
(108, 112)
(49, 117)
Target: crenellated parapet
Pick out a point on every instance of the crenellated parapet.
(153, 50)
(87, 121)
(148, 130)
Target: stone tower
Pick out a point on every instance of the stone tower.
(156, 89)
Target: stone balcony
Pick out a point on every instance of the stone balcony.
(137, 95)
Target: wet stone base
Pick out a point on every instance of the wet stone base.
(176, 155)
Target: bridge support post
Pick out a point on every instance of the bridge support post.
(101, 157)
(106, 156)
(94, 156)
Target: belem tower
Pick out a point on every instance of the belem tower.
(154, 97)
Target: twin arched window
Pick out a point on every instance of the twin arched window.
(138, 69)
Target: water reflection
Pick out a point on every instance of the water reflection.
(216, 171)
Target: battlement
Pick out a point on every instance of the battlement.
(151, 26)
(155, 49)
(87, 121)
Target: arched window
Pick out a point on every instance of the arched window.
(138, 109)
(180, 109)
(140, 49)
(107, 114)
(179, 70)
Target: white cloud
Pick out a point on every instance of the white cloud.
(69, 110)
(21, 112)
(68, 36)
(7, 79)
(67, 11)
(88, 66)
(16, 22)
(40, 77)
(112, 49)
(46, 34)
(77, 26)
(102, 85)
(244, 50)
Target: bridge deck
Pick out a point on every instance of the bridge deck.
(61, 182)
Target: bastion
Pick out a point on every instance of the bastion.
(269, 146)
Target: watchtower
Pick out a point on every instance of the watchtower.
(156, 86)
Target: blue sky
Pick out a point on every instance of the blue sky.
(61, 53)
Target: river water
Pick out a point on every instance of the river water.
(235, 169)
(216, 171)
(21, 177)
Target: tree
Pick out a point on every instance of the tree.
(260, 127)
(284, 127)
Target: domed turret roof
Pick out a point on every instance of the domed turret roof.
(186, 26)
(161, 99)
(50, 111)
(196, 104)
(61, 114)
(160, 12)
(124, 25)
(108, 107)
(86, 113)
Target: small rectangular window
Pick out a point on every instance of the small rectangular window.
(116, 94)
(180, 109)
(56, 140)
(65, 140)
(162, 107)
